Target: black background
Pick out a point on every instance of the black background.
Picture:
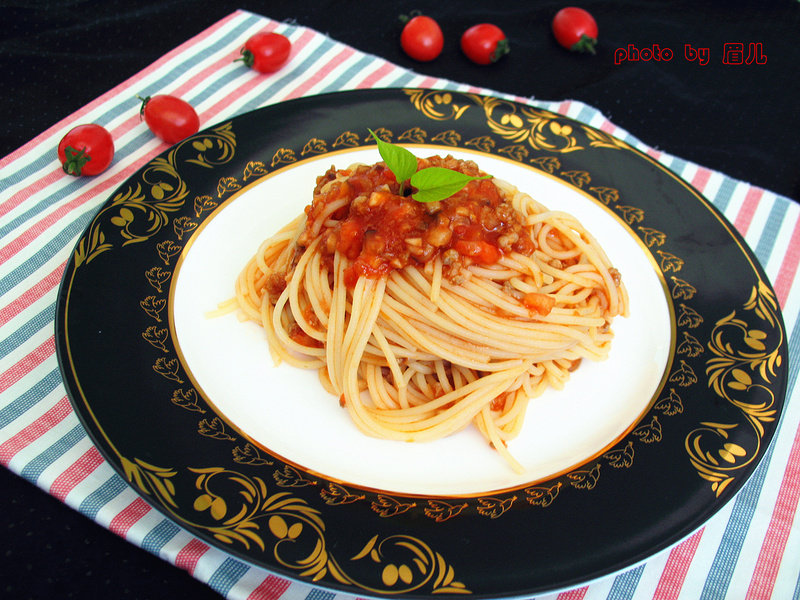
(741, 120)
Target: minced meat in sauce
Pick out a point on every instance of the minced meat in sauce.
(380, 230)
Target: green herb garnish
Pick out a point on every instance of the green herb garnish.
(430, 184)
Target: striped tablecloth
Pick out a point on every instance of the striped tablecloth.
(750, 549)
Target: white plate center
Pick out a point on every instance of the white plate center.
(286, 410)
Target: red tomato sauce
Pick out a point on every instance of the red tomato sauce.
(380, 230)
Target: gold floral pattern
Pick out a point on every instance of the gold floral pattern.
(436, 105)
(407, 564)
(151, 480)
(494, 507)
(540, 129)
(240, 510)
(140, 211)
(739, 371)
(622, 457)
(543, 496)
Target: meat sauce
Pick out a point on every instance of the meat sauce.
(380, 230)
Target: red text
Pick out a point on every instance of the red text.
(633, 54)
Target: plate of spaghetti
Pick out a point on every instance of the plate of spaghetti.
(348, 376)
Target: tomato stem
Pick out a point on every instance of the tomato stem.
(585, 44)
(502, 48)
(406, 18)
(247, 57)
(144, 100)
(75, 160)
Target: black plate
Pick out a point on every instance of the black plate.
(699, 441)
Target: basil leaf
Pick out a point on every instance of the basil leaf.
(399, 160)
(438, 183)
(432, 183)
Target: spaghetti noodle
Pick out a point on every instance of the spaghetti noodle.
(424, 318)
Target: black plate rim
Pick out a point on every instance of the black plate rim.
(584, 578)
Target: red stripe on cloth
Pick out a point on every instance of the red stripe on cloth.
(208, 115)
(748, 209)
(188, 556)
(57, 173)
(75, 473)
(700, 179)
(780, 526)
(371, 79)
(329, 66)
(674, 573)
(130, 123)
(271, 588)
(118, 90)
(32, 360)
(657, 154)
(429, 82)
(133, 121)
(576, 594)
(33, 232)
(788, 268)
(41, 183)
(564, 107)
(608, 127)
(214, 68)
(128, 517)
(35, 430)
(30, 296)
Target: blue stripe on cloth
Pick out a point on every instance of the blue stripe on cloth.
(191, 60)
(548, 105)
(402, 80)
(212, 87)
(267, 93)
(744, 507)
(46, 252)
(158, 536)
(36, 211)
(27, 330)
(586, 114)
(796, 595)
(35, 467)
(20, 405)
(74, 187)
(450, 85)
(678, 166)
(624, 585)
(227, 575)
(318, 594)
(723, 196)
(188, 60)
(343, 80)
(110, 489)
(769, 234)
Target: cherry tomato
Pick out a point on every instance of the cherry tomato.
(266, 52)
(575, 29)
(422, 38)
(169, 117)
(86, 150)
(484, 44)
